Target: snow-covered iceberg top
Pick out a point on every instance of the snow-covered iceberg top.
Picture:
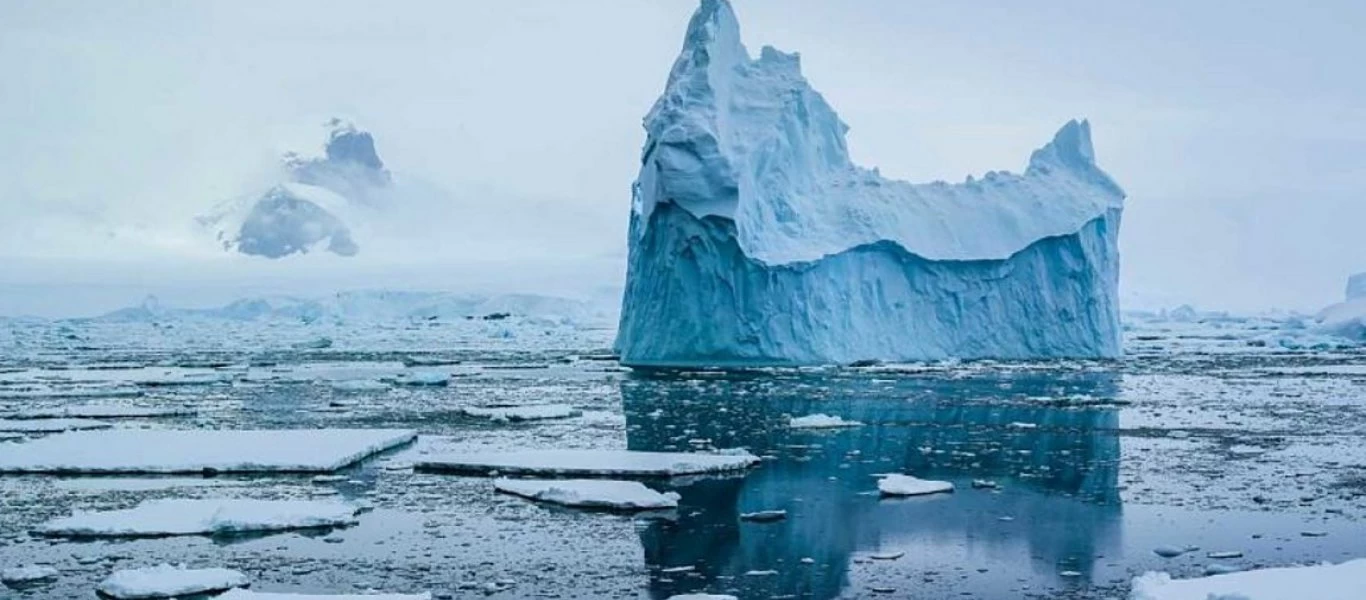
(196, 451)
(750, 141)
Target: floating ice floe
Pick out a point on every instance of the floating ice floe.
(241, 594)
(54, 392)
(600, 463)
(50, 425)
(821, 421)
(703, 597)
(1343, 581)
(531, 412)
(905, 485)
(589, 493)
(359, 385)
(168, 581)
(424, 378)
(27, 574)
(97, 411)
(195, 451)
(178, 516)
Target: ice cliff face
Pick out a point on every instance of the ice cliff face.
(308, 210)
(755, 240)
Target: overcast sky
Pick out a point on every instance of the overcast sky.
(1238, 128)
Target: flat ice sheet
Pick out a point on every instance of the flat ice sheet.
(195, 451)
(599, 463)
(529, 412)
(821, 421)
(49, 425)
(589, 493)
(241, 594)
(905, 485)
(178, 516)
(99, 411)
(1345, 581)
(168, 581)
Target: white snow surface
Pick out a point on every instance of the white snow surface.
(821, 421)
(241, 594)
(180, 516)
(28, 574)
(906, 485)
(527, 412)
(751, 230)
(193, 451)
(589, 493)
(601, 463)
(167, 581)
(1345, 581)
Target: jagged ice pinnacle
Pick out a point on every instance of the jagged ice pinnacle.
(754, 240)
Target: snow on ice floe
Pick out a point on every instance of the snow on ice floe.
(526, 412)
(177, 516)
(241, 594)
(27, 574)
(50, 425)
(589, 493)
(599, 463)
(195, 451)
(755, 240)
(1343, 581)
(906, 485)
(821, 421)
(167, 581)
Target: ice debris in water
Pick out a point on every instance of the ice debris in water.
(754, 239)
(906, 485)
(177, 516)
(599, 463)
(241, 594)
(167, 581)
(50, 425)
(589, 493)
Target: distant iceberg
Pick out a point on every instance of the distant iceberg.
(1347, 319)
(755, 240)
(308, 211)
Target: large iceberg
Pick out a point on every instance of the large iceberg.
(1347, 318)
(755, 240)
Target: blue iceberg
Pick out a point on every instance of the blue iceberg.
(754, 240)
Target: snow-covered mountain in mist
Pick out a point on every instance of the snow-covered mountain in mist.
(310, 209)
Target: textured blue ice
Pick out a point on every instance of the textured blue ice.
(754, 240)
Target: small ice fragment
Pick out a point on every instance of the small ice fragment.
(1225, 554)
(821, 421)
(886, 555)
(764, 516)
(1168, 551)
(906, 485)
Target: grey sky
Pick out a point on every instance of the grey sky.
(1238, 128)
